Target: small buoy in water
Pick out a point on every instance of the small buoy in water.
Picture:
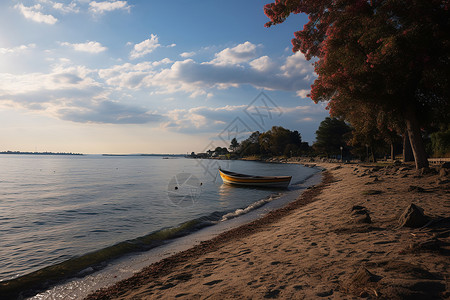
(201, 183)
(176, 188)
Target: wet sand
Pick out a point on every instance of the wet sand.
(342, 239)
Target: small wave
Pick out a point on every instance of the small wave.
(253, 206)
(85, 264)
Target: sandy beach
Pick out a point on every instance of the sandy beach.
(346, 238)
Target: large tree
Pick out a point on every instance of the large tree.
(331, 135)
(390, 53)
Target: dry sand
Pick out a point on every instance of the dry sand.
(340, 240)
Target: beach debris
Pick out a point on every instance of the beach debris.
(359, 214)
(363, 282)
(413, 217)
(364, 276)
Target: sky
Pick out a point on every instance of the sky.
(148, 76)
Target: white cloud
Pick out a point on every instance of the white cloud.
(70, 93)
(131, 76)
(17, 49)
(145, 47)
(201, 119)
(239, 54)
(69, 8)
(297, 65)
(33, 13)
(90, 46)
(106, 6)
(127, 75)
(108, 112)
(201, 78)
(187, 54)
(60, 78)
(262, 64)
(303, 93)
(164, 61)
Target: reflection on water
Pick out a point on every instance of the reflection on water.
(53, 208)
(224, 194)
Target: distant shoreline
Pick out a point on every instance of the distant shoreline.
(39, 153)
(164, 155)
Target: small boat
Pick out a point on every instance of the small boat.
(251, 180)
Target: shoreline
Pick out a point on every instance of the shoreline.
(341, 238)
(90, 277)
(168, 265)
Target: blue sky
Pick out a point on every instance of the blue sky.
(147, 76)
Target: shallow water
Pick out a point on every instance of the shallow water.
(55, 208)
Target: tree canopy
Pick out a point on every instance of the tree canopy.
(331, 135)
(275, 142)
(234, 144)
(388, 54)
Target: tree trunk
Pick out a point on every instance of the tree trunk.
(392, 152)
(415, 138)
(407, 150)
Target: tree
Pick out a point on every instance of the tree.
(440, 142)
(390, 53)
(234, 145)
(220, 151)
(331, 135)
(251, 145)
(371, 126)
(276, 140)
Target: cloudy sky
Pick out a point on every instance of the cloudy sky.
(147, 76)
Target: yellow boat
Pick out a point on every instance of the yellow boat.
(251, 180)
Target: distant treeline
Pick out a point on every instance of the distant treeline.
(163, 155)
(335, 138)
(40, 153)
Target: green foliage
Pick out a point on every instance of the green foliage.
(221, 151)
(440, 143)
(234, 144)
(275, 142)
(388, 55)
(330, 136)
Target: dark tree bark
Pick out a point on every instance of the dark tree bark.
(392, 152)
(415, 138)
(407, 150)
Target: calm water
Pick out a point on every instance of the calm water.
(54, 208)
